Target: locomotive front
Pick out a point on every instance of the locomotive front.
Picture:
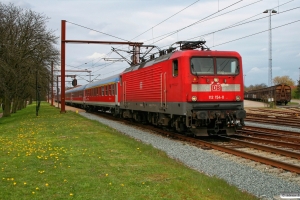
(215, 95)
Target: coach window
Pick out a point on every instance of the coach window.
(106, 90)
(112, 89)
(175, 68)
(202, 65)
(102, 89)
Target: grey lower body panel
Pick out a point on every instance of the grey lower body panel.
(180, 108)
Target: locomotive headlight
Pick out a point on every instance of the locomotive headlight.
(216, 80)
(237, 98)
(194, 98)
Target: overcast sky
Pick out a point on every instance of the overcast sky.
(152, 21)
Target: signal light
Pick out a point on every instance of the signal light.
(74, 82)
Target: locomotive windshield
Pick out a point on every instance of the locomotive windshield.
(206, 66)
(227, 66)
(202, 65)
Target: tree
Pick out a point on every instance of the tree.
(283, 80)
(26, 51)
(255, 87)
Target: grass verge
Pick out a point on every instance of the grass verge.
(66, 156)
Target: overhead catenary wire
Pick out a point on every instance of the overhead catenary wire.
(98, 31)
(176, 31)
(164, 20)
(239, 24)
(136, 36)
(158, 23)
(257, 33)
(231, 26)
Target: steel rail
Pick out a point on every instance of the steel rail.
(264, 160)
(269, 135)
(274, 120)
(270, 130)
(261, 140)
(280, 117)
(279, 112)
(264, 147)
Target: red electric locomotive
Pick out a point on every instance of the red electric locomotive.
(198, 92)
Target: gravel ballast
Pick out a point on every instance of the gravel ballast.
(248, 179)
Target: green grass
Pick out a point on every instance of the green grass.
(66, 156)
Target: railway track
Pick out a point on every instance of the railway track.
(291, 121)
(255, 151)
(250, 143)
(275, 134)
(283, 111)
(235, 146)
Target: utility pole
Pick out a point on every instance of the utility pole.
(52, 93)
(270, 11)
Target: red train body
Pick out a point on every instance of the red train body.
(197, 92)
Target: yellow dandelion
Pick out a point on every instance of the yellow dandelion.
(33, 192)
(137, 148)
(71, 194)
(65, 180)
(37, 188)
(15, 183)
(109, 183)
(69, 166)
(122, 185)
(106, 174)
(25, 183)
(47, 184)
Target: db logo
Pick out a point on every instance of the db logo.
(216, 88)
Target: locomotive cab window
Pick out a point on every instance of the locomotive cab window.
(175, 68)
(202, 65)
(227, 66)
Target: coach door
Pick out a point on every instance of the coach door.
(116, 92)
(163, 83)
(123, 97)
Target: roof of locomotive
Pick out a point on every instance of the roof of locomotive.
(111, 79)
(182, 53)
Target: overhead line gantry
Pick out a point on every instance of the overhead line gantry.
(135, 60)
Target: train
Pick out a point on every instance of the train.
(280, 93)
(188, 88)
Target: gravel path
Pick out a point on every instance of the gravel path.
(244, 177)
